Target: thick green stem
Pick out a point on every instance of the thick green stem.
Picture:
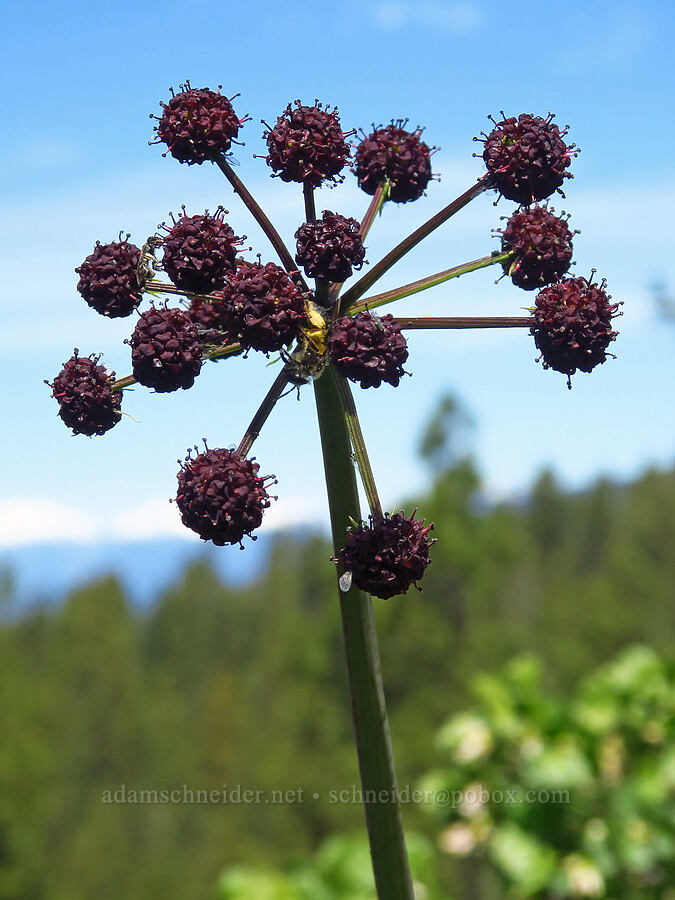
(376, 764)
(423, 284)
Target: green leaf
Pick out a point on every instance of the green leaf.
(524, 860)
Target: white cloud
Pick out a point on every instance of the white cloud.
(295, 511)
(156, 518)
(28, 521)
(459, 18)
(25, 520)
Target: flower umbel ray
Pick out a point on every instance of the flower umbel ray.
(218, 303)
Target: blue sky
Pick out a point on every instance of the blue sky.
(81, 80)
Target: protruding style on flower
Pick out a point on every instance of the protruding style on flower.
(166, 352)
(572, 325)
(221, 496)
(109, 278)
(199, 251)
(83, 390)
(197, 124)
(264, 308)
(307, 145)
(330, 248)
(388, 554)
(541, 244)
(527, 158)
(391, 153)
(369, 349)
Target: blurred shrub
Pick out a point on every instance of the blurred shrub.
(564, 799)
(340, 870)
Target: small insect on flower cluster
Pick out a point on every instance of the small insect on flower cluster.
(217, 303)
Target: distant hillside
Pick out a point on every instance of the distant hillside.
(49, 572)
(216, 685)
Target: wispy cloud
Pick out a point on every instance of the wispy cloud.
(37, 521)
(156, 518)
(26, 521)
(458, 18)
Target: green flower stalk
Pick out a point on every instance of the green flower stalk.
(327, 337)
(369, 712)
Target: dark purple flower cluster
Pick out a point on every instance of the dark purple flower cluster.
(387, 555)
(541, 244)
(197, 124)
(199, 251)
(527, 158)
(238, 306)
(210, 319)
(264, 308)
(166, 352)
(572, 325)
(109, 279)
(330, 248)
(307, 145)
(87, 402)
(399, 156)
(221, 496)
(369, 349)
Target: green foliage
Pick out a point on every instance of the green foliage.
(217, 687)
(570, 798)
(340, 870)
